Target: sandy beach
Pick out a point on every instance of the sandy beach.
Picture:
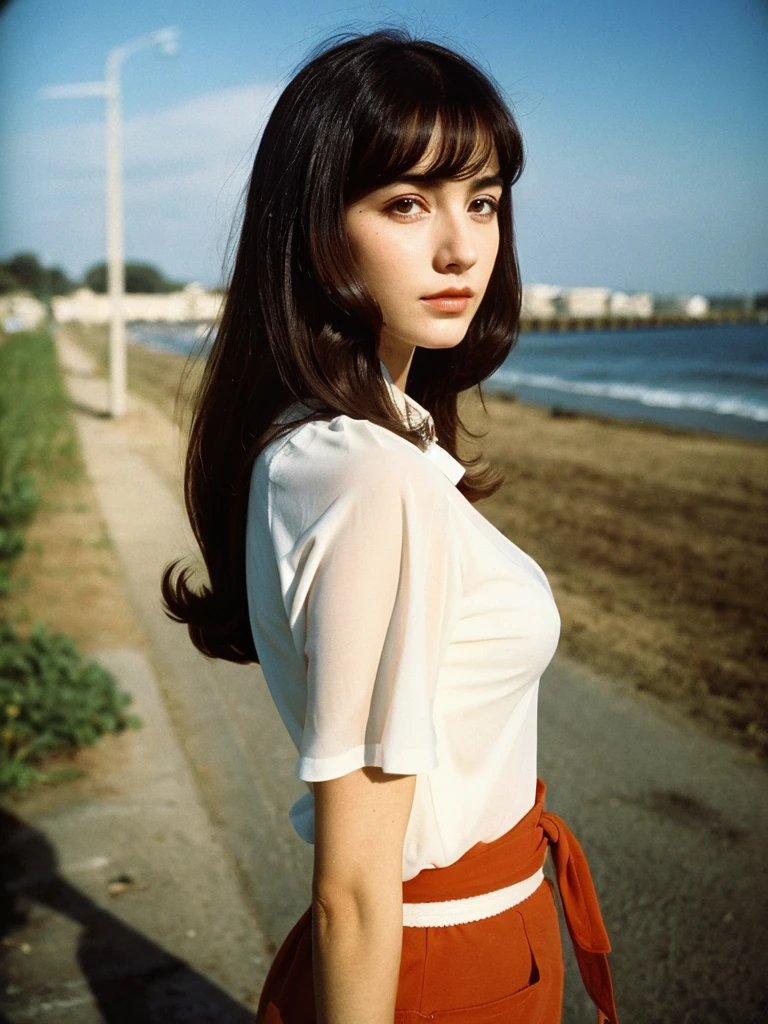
(655, 542)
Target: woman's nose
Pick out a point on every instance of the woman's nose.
(455, 243)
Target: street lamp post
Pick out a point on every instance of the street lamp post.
(168, 40)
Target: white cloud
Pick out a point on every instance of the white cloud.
(184, 170)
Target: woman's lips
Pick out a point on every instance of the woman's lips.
(448, 303)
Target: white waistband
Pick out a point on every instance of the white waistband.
(473, 908)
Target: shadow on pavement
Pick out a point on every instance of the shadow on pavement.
(90, 410)
(132, 979)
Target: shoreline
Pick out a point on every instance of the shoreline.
(654, 540)
(706, 400)
(699, 421)
(559, 411)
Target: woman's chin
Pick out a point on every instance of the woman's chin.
(439, 336)
(446, 340)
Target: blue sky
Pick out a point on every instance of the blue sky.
(646, 128)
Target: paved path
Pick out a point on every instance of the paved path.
(675, 823)
(131, 912)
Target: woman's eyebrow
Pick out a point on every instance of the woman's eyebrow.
(431, 180)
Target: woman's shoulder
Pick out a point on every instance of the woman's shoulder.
(361, 464)
(341, 447)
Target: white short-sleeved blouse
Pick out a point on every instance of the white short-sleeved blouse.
(397, 627)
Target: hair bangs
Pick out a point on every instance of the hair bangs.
(464, 143)
(457, 123)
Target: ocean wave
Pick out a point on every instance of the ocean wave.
(703, 401)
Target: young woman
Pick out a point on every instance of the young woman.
(402, 637)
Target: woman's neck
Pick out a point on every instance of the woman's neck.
(398, 363)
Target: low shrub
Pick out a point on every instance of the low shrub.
(51, 699)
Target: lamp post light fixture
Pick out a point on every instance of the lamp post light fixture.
(167, 39)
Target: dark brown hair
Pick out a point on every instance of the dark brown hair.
(298, 323)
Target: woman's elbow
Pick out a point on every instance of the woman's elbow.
(367, 903)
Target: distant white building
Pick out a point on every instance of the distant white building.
(539, 300)
(585, 301)
(549, 300)
(634, 304)
(682, 305)
(696, 305)
(19, 312)
(194, 303)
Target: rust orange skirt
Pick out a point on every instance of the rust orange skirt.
(504, 968)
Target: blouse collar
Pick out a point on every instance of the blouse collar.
(413, 415)
(416, 415)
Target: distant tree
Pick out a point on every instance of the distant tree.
(27, 271)
(761, 300)
(728, 303)
(8, 282)
(95, 278)
(140, 278)
(59, 283)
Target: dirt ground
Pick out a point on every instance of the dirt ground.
(69, 577)
(655, 542)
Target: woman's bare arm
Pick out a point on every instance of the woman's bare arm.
(357, 895)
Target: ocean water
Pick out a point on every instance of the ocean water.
(180, 338)
(712, 378)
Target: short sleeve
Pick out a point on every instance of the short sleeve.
(370, 578)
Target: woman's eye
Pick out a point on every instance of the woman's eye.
(404, 206)
(491, 206)
(409, 207)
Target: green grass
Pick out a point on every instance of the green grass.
(50, 698)
(34, 409)
(38, 445)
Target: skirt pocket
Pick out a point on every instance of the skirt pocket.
(515, 957)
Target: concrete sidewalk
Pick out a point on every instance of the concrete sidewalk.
(226, 722)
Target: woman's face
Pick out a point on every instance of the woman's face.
(417, 238)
